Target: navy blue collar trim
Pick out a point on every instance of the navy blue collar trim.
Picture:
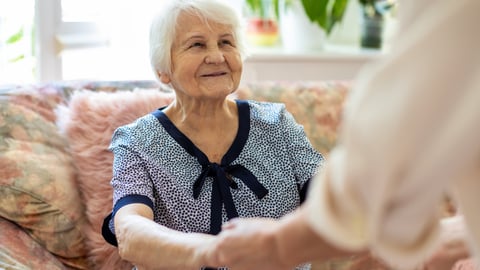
(221, 173)
(234, 150)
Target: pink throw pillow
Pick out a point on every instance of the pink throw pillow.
(88, 124)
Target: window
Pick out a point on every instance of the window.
(48, 40)
(106, 39)
(17, 63)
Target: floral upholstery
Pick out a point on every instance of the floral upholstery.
(37, 189)
(17, 248)
(315, 105)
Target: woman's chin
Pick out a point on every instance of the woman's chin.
(219, 85)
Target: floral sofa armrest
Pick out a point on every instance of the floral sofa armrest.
(20, 251)
(37, 182)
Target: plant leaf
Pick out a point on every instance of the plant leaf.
(15, 37)
(276, 6)
(326, 13)
(252, 5)
(316, 11)
(338, 10)
(262, 8)
(16, 59)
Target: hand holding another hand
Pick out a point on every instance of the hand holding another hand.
(246, 244)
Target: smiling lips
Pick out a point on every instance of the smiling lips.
(215, 74)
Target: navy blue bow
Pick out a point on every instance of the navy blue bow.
(221, 195)
(222, 174)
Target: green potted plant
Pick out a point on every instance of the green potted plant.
(305, 24)
(262, 27)
(264, 14)
(265, 9)
(324, 13)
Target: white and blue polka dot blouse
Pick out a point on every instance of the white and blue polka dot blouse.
(263, 174)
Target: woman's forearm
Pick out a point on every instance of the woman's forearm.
(294, 233)
(145, 243)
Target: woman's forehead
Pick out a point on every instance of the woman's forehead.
(188, 22)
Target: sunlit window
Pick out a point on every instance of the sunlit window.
(17, 63)
(116, 44)
(73, 40)
(115, 47)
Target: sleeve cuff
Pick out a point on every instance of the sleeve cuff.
(107, 226)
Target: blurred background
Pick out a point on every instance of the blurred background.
(51, 40)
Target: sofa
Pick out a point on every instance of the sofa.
(55, 168)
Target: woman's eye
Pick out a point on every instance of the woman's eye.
(196, 44)
(226, 42)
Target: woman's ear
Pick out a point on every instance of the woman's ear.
(164, 77)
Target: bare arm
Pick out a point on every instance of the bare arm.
(261, 243)
(149, 245)
(294, 233)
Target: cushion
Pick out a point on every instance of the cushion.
(17, 247)
(22, 123)
(41, 99)
(88, 123)
(37, 187)
(315, 105)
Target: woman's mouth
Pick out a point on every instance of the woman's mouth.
(215, 74)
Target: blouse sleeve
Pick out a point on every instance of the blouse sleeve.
(411, 125)
(130, 176)
(305, 158)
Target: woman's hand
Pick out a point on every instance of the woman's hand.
(246, 244)
(151, 246)
(453, 246)
(261, 243)
(367, 261)
(447, 256)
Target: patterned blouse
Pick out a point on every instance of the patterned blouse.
(265, 172)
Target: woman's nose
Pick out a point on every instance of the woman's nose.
(214, 56)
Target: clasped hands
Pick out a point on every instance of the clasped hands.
(262, 243)
(246, 244)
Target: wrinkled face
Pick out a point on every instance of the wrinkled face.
(205, 60)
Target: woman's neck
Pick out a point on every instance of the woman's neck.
(200, 115)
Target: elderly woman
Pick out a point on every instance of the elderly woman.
(182, 171)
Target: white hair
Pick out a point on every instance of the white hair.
(163, 28)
